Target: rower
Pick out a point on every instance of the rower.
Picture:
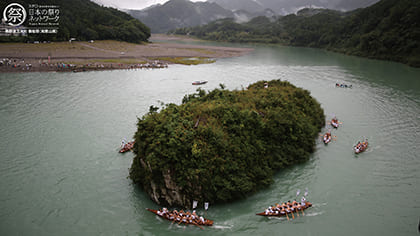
(282, 211)
(298, 206)
(303, 201)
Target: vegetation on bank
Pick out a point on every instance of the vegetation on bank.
(222, 145)
(387, 30)
(85, 20)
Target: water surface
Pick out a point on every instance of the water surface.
(60, 172)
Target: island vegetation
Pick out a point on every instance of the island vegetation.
(85, 20)
(387, 30)
(222, 145)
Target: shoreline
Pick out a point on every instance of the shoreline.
(109, 55)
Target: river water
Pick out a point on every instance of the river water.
(60, 172)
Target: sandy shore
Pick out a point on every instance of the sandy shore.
(104, 55)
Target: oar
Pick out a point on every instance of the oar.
(287, 216)
(197, 225)
(293, 216)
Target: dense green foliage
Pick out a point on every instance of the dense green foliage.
(222, 145)
(389, 30)
(86, 20)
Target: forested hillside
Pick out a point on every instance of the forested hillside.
(85, 20)
(389, 30)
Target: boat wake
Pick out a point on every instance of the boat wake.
(222, 226)
(314, 213)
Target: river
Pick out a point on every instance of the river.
(60, 172)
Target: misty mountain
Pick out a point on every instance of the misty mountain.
(250, 6)
(180, 13)
(284, 7)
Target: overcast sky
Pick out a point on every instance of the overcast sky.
(132, 4)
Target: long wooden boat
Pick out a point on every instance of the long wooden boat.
(283, 212)
(199, 82)
(127, 147)
(337, 85)
(327, 138)
(334, 123)
(362, 147)
(197, 222)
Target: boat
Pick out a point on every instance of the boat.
(334, 123)
(281, 210)
(127, 147)
(361, 146)
(199, 82)
(327, 138)
(174, 216)
(343, 85)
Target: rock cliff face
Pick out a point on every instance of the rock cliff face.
(223, 145)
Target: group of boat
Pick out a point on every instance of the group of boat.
(278, 210)
(358, 148)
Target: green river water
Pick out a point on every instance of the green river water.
(60, 172)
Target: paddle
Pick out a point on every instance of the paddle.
(287, 216)
(197, 225)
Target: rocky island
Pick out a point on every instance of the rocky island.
(222, 145)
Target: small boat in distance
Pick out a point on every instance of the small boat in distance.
(361, 146)
(327, 137)
(127, 147)
(334, 122)
(337, 85)
(199, 82)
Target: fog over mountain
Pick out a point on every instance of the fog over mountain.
(161, 16)
(180, 13)
(282, 7)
